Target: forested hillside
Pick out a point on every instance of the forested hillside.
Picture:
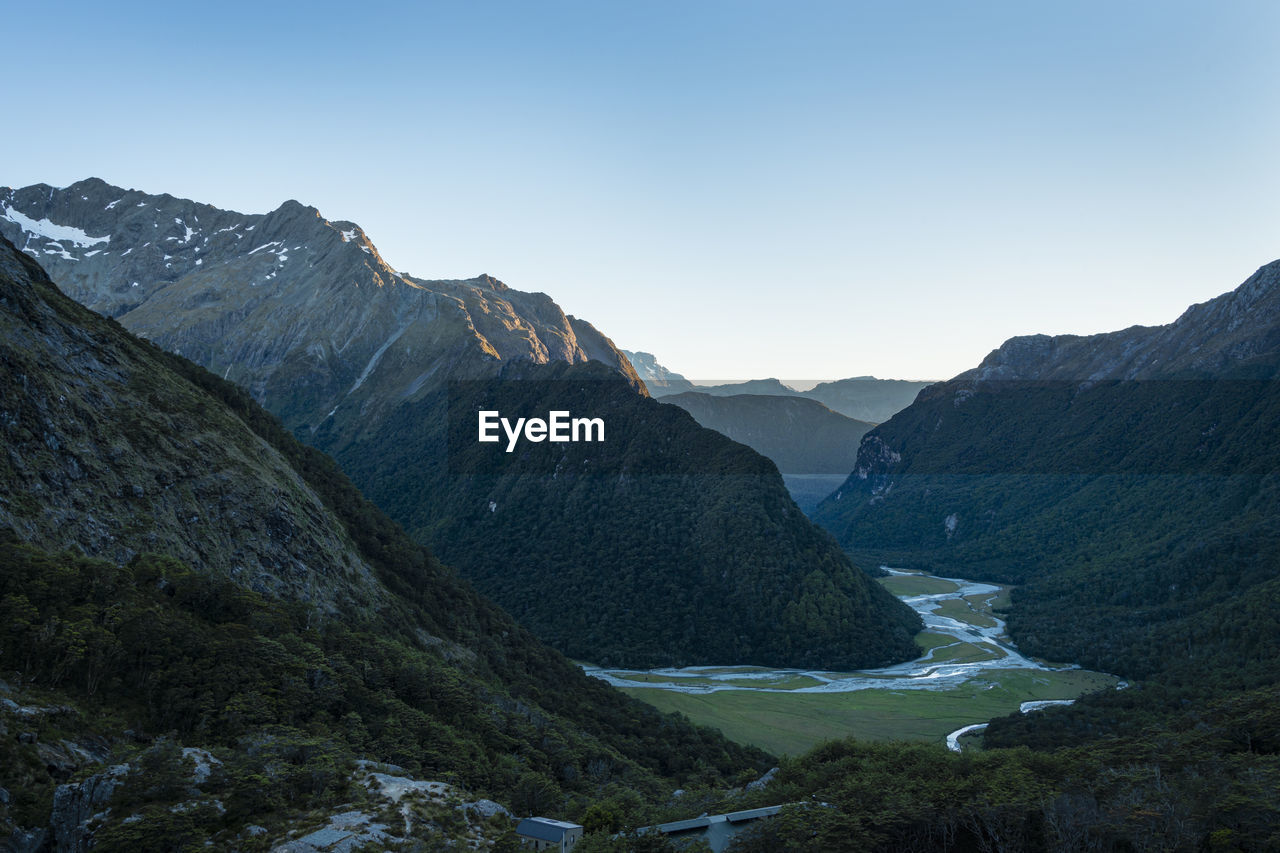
(628, 551)
(286, 676)
(1129, 484)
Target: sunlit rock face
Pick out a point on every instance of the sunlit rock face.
(302, 311)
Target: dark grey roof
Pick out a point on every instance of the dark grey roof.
(752, 814)
(684, 825)
(544, 828)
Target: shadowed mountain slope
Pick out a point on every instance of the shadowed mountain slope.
(225, 541)
(1128, 479)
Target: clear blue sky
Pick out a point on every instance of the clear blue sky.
(746, 189)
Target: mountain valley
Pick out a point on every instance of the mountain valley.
(213, 639)
(361, 361)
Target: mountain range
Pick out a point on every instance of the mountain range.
(370, 365)
(1128, 480)
(862, 398)
(1128, 484)
(658, 379)
(210, 639)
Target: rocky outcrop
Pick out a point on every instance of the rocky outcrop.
(76, 807)
(26, 841)
(424, 811)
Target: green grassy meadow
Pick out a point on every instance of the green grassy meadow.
(963, 611)
(791, 723)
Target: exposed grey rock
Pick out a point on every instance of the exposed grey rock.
(204, 763)
(351, 828)
(761, 783)
(60, 761)
(366, 764)
(192, 805)
(486, 809)
(395, 787)
(32, 711)
(76, 805)
(346, 832)
(26, 840)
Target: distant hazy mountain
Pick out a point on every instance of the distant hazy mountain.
(759, 387)
(863, 398)
(801, 436)
(812, 443)
(813, 447)
(867, 398)
(658, 379)
(374, 366)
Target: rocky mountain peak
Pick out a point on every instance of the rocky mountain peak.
(492, 283)
(657, 378)
(301, 310)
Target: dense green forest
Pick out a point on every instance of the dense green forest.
(1205, 786)
(1140, 521)
(1139, 517)
(665, 544)
(1175, 775)
(156, 649)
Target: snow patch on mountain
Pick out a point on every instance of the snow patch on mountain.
(52, 230)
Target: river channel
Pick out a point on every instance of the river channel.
(961, 649)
